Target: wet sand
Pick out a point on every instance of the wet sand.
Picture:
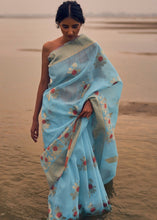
(25, 189)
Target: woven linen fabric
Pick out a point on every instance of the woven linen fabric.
(80, 154)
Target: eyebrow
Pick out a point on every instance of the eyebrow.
(66, 25)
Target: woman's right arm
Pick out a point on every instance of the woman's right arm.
(43, 85)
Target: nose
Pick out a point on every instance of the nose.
(70, 31)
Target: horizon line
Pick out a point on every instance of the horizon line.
(90, 14)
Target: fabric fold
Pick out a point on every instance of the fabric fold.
(80, 71)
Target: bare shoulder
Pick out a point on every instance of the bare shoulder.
(49, 46)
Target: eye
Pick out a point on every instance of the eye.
(75, 26)
(65, 26)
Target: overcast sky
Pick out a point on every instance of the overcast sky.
(95, 6)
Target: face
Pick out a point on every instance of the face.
(70, 28)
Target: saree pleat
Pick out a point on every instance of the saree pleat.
(80, 154)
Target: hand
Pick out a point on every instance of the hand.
(35, 130)
(87, 109)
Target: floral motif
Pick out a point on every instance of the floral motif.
(109, 135)
(50, 211)
(85, 86)
(73, 111)
(50, 153)
(100, 60)
(53, 190)
(53, 93)
(58, 213)
(83, 165)
(107, 206)
(115, 80)
(92, 208)
(73, 70)
(91, 187)
(45, 122)
(75, 212)
(79, 206)
(94, 161)
(76, 192)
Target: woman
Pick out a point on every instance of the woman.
(79, 93)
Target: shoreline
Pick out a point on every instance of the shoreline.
(136, 108)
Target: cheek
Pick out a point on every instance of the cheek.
(78, 29)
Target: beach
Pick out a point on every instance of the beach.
(131, 46)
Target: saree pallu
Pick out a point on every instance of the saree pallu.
(80, 154)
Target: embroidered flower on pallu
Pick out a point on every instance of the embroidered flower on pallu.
(73, 70)
(55, 150)
(65, 137)
(115, 80)
(109, 135)
(50, 154)
(91, 187)
(100, 60)
(58, 213)
(83, 165)
(94, 161)
(74, 212)
(92, 208)
(50, 211)
(45, 122)
(53, 93)
(75, 194)
(85, 86)
(73, 111)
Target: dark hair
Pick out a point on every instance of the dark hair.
(70, 9)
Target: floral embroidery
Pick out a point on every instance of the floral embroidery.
(83, 165)
(59, 214)
(75, 194)
(100, 60)
(91, 187)
(73, 111)
(50, 211)
(74, 212)
(115, 80)
(109, 135)
(94, 161)
(53, 190)
(53, 93)
(51, 153)
(73, 70)
(45, 122)
(107, 206)
(92, 208)
(85, 86)
(79, 206)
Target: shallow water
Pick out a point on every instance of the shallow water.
(24, 189)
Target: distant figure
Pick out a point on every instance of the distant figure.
(79, 93)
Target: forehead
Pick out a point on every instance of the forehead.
(69, 21)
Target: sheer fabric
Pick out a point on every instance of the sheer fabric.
(80, 154)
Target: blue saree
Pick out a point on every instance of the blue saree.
(80, 154)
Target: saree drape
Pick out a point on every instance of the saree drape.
(80, 154)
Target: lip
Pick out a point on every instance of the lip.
(71, 36)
